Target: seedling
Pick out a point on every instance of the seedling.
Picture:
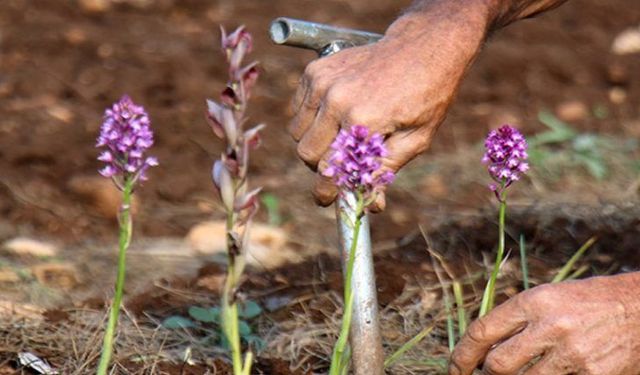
(209, 319)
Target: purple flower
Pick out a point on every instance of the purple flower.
(125, 135)
(355, 164)
(506, 157)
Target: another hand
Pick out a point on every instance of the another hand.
(400, 87)
(587, 327)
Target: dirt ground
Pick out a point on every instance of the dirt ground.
(63, 62)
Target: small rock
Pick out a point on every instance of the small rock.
(617, 95)
(617, 74)
(101, 194)
(428, 300)
(95, 6)
(61, 113)
(30, 246)
(267, 245)
(9, 276)
(571, 111)
(12, 310)
(627, 42)
(75, 36)
(56, 275)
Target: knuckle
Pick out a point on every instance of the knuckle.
(336, 95)
(562, 325)
(311, 70)
(477, 331)
(357, 115)
(319, 85)
(495, 364)
(306, 153)
(458, 358)
(539, 297)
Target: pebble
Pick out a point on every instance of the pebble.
(30, 246)
(267, 246)
(95, 6)
(9, 276)
(617, 73)
(617, 95)
(627, 42)
(56, 275)
(572, 110)
(13, 310)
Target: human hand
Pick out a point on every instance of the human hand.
(586, 327)
(400, 87)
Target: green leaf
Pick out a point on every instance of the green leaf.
(256, 342)
(249, 310)
(178, 322)
(594, 164)
(560, 132)
(272, 204)
(244, 328)
(205, 315)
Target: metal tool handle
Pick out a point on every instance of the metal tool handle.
(323, 39)
(365, 337)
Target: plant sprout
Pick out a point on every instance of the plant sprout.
(125, 135)
(506, 159)
(355, 166)
(230, 178)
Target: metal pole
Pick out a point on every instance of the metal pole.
(364, 337)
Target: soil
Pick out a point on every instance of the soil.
(62, 63)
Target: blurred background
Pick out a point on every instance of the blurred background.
(569, 79)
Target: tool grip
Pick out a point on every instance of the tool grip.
(316, 36)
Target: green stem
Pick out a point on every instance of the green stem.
(337, 363)
(523, 263)
(489, 292)
(462, 315)
(123, 244)
(229, 308)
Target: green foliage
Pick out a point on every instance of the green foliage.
(205, 315)
(178, 322)
(272, 205)
(564, 272)
(249, 310)
(208, 319)
(562, 146)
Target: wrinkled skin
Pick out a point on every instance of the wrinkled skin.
(586, 327)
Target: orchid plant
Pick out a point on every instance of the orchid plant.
(355, 167)
(125, 136)
(506, 159)
(230, 178)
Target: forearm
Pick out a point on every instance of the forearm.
(496, 13)
(509, 11)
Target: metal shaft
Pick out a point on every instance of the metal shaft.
(364, 336)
